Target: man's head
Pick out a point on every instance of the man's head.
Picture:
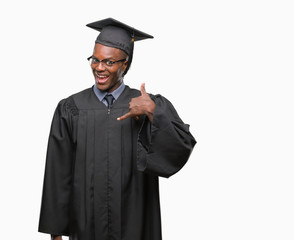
(108, 65)
(115, 38)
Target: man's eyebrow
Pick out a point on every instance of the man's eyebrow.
(110, 58)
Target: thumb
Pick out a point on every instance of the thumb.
(142, 89)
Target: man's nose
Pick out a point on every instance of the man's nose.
(100, 66)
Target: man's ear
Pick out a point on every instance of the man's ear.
(125, 65)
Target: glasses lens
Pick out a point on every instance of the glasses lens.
(93, 61)
(107, 62)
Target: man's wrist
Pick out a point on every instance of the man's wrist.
(150, 110)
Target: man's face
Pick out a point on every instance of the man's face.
(108, 78)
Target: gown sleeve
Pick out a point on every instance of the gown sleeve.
(164, 145)
(54, 215)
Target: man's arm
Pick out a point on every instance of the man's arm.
(165, 142)
(55, 213)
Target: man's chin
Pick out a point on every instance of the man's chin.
(101, 87)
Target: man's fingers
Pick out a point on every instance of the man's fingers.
(132, 111)
(127, 115)
(142, 88)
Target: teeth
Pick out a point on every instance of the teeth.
(100, 76)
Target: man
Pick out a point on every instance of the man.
(107, 146)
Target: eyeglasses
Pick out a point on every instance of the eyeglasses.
(105, 62)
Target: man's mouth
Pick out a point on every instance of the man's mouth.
(100, 78)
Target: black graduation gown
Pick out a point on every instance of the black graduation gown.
(101, 176)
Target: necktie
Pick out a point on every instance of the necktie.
(109, 99)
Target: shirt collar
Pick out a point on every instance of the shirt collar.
(116, 93)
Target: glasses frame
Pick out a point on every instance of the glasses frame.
(104, 61)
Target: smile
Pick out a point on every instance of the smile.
(101, 78)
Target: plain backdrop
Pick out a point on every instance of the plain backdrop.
(227, 66)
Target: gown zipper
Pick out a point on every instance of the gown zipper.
(108, 207)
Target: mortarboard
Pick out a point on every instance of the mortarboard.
(116, 34)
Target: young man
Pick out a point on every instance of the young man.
(107, 146)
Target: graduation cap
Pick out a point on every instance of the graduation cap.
(114, 33)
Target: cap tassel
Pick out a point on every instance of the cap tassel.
(133, 36)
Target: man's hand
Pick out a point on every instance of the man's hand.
(142, 105)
